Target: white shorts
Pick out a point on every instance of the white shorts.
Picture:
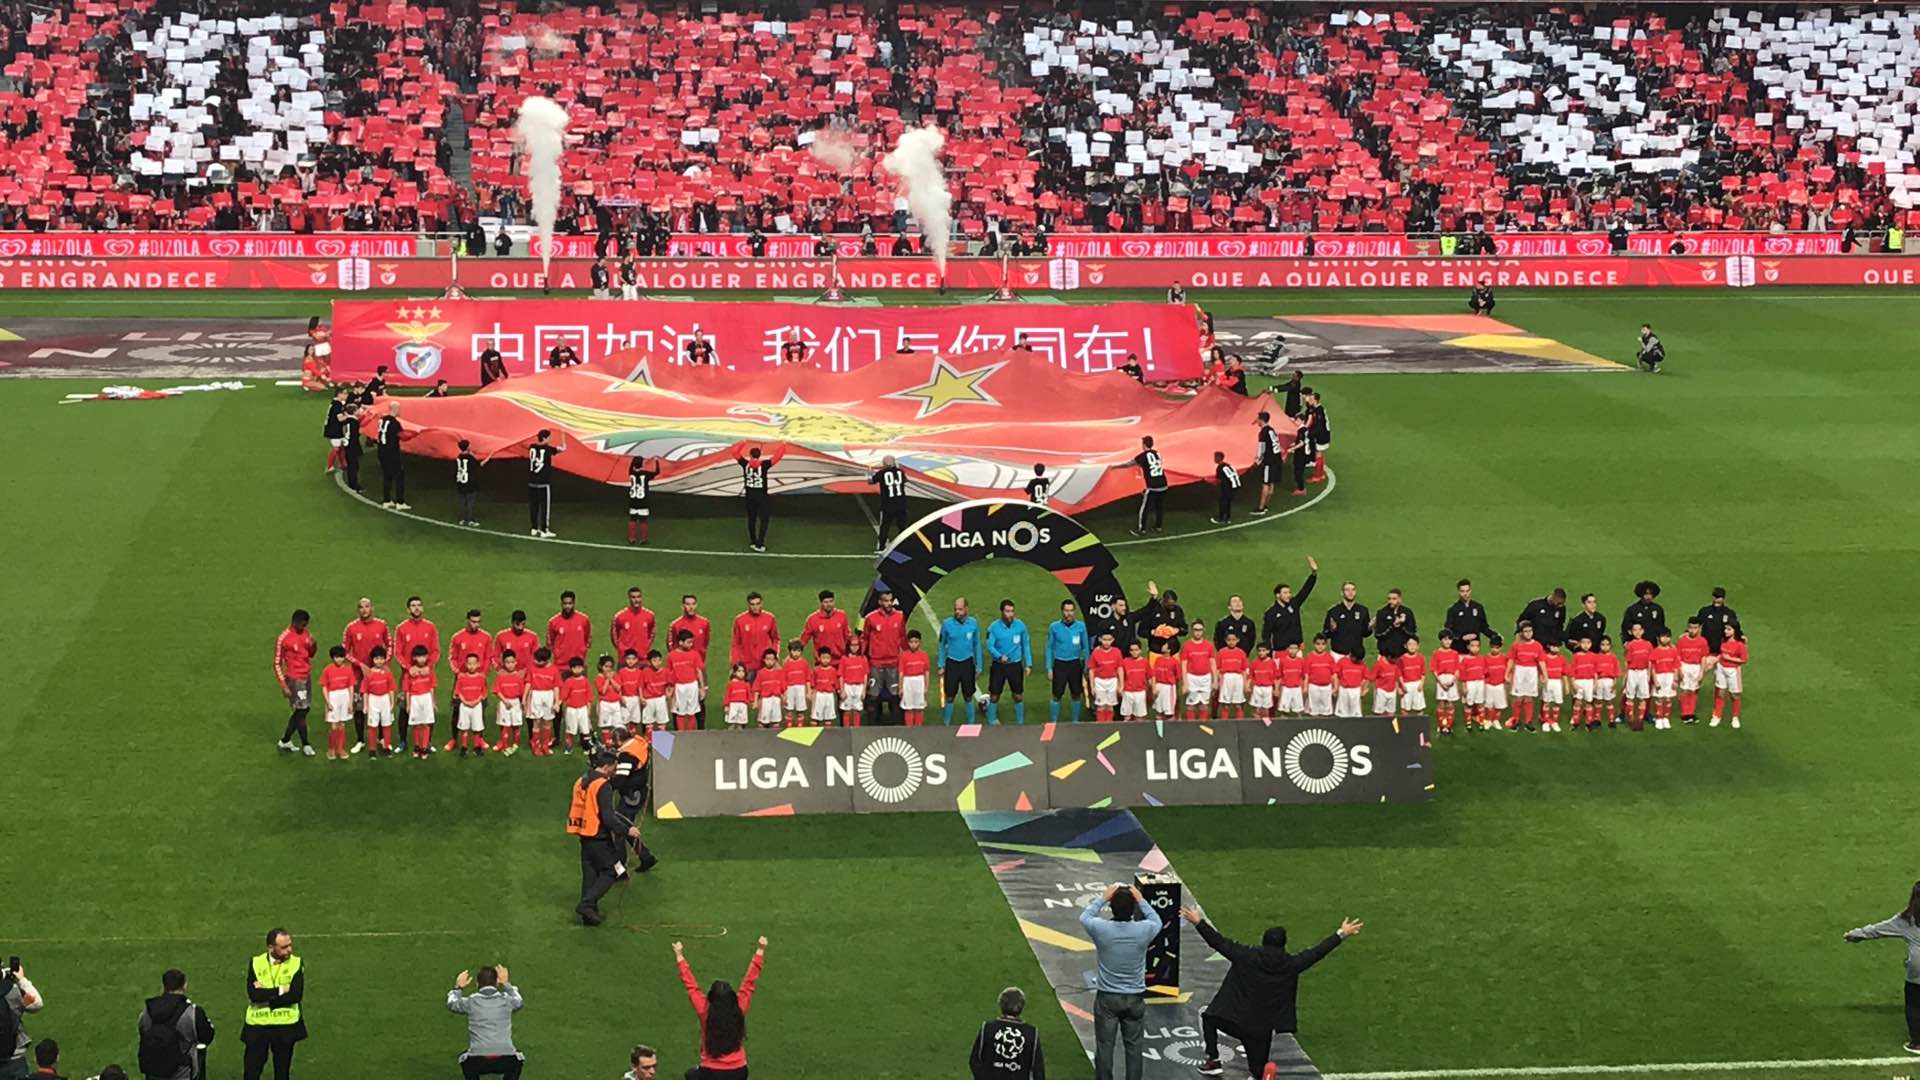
(770, 712)
(1526, 682)
(1199, 689)
(577, 720)
(1319, 700)
(736, 714)
(1346, 701)
(913, 692)
(1689, 677)
(1603, 689)
(1386, 702)
(853, 697)
(1663, 684)
(1293, 699)
(613, 713)
(1474, 693)
(1163, 698)
(653, 712)
(379, 710)
(471, 717)
(1106, 693)
(420, 709)
(541, 704)
(1552, 692)
(1133, 705)
(1413, 698)
(339, 706)
(1582, 690)
(1446, 688)
(629, 710)
(686, 699)
(1260, 696)
(796, 698)
(825, 708)
(339, 444)
(1496, 696)
(1637, 683)
(508, 713)
(1725, 676)
(1233, 688)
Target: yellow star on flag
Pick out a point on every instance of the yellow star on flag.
(946, 386)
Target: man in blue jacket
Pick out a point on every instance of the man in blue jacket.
(1120, 987)
(959, 659)
(1011, 651)
(1259, 994)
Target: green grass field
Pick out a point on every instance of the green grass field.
(1566, 900)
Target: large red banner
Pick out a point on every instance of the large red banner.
(973, 275)
(963, 427)
(189, 245)
(422, 341)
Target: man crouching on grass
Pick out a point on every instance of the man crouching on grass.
(1258, 996)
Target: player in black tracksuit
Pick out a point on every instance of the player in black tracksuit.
(1228, 479)
(393, 466)
(1153, 500)
(1280, 626)
(754, 485)
(540, 483)
(892, 482)
(1269, 458)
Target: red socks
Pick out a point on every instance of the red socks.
(1687, 701)
(914, 717)
(850, 719)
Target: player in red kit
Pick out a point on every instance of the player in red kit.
(1385, 676)
(569, 632)
(1320, 675)
(543, 700)
(1166, 682)
(1197, 659)
(616, 717)
(853, 683)
(1103, 678)
(688, 672)
(293, 653)
(1350, 680)
(336, 689)
(825, 680)
(1695, 656)
(1606, 677)
(1136, 672)
(1263, 680)
(1553, 689)
(630, 677)
(1231, 662)
(1665, 659)
(419, 683)
(510, 708)
(377, 685)
(1473, 685)
(576, 704)
(1639, 691)
(885, 630)
(1496, 680)
(737, 705)
(798, 676)
(1413, 678)
(754, 632)
(1529, 658)
(826, 628)
(1728, 670)
(1446, 682)
(416, 631)
(1584, 667)
(1292, 698)
(633, 626)
(915, 662)
(656, 683)
(521, 640)
(770, 692)
(692, 622)
(470, 712)
(364, 634)
(469, 641)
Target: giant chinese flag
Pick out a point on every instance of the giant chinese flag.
(963, 427)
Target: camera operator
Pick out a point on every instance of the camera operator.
(21, 997)
(174, 1032)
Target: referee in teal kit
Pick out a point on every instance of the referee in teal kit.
(1067, 650)
(958, 659)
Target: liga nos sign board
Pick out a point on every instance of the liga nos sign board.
(1041, 767)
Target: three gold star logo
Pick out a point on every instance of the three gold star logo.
(947, 385)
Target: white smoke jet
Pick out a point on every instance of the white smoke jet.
(915, 162)
(835, 150)
(541, 129)
(547, 41)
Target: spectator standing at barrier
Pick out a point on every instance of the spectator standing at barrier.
(1120, 986)
(892, 482)
(758, 492)
(1008, 1048)
(20, 997)
(1259, 995)
(1280, 625)
(1393, 625)
(393, 465)
(540, 483)
(884, 631)
(1548, 617)
(274, 1026)
(489, 1012)
(959, 660)
(1717, 620)
(1010, 648)
(174, 1032)
(722, 1011)
(1348, 623)
(1905, 926)
(1467, 619)
(1066, 656)
(1588, 622)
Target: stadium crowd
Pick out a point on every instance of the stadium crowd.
(241, 114)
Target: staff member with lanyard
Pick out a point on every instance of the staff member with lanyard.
(602, 830)
(959, 659)
(275, 987)
(1067, 661)
(1905, 926)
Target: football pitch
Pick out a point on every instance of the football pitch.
(1581, 900)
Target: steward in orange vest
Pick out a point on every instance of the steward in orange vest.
(632, 779)
(602, 829)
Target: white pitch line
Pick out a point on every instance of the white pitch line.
(340, 481)
(1599, 1070)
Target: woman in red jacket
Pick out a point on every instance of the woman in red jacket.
(723, 1019)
